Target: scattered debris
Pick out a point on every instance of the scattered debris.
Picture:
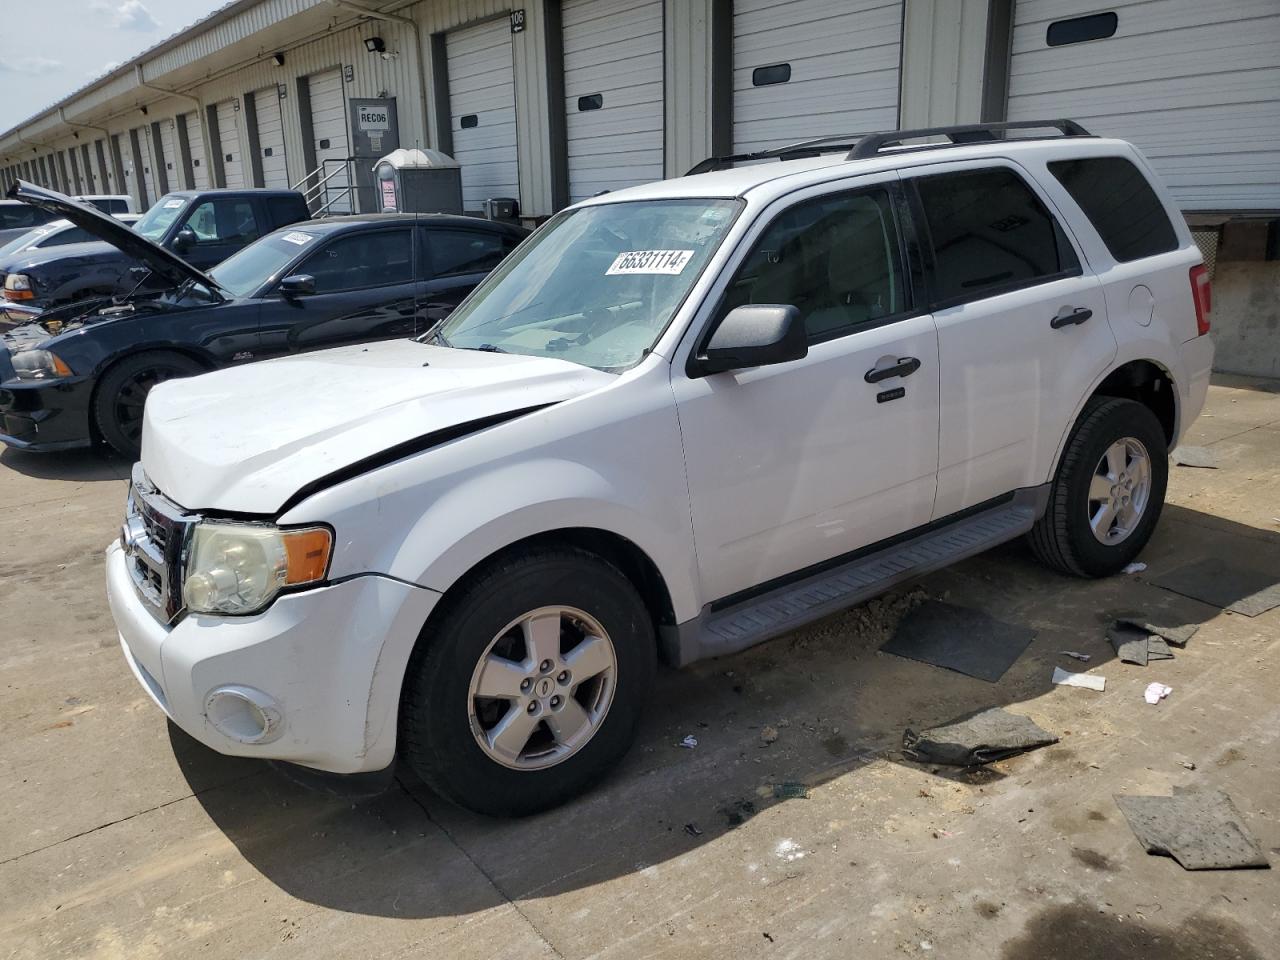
(736, 813)
(1087, 680)
(788, 850)
(1135, 567)
(1187, 763)
(962, 639)
(983, 737)
(688, 742)
(1201, 829)
(1178, 634)
(692, 829)
(1134, 645)
(1156, 692)
(767, 935)
(1195, 457)
(768, 735)
(790, 790)
(1082, 657)
(1249, 591)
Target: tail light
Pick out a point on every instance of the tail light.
(1200, 293)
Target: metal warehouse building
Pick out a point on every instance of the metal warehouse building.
(550, 101)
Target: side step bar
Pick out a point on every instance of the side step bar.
(716, 633)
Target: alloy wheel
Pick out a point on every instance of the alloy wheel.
(1119, 491)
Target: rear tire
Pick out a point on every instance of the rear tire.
(1108, 492)
(476, 723)
(122, 392)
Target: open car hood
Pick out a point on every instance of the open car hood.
(248, 439)
(163, 263)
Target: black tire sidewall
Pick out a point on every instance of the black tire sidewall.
(435, 728)
(1123, 419)
(113, 380)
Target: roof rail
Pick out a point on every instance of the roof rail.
(873, 143)
(792, 151)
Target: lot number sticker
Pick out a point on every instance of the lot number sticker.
(298, 238)
(651, 261)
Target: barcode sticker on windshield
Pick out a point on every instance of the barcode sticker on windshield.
(298, 238)
(651, 261)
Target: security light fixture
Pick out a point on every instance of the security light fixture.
(375, 45)
(278, 59)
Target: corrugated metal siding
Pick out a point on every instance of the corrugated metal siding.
(1195, 85)
(242, 26)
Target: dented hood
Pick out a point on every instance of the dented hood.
(249, 438)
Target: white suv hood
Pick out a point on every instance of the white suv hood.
(247, 438)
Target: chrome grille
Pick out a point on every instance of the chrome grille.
(154, 538)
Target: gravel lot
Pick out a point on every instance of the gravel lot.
(123, 838)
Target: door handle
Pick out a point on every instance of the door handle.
(905, 367)
(1076, 316)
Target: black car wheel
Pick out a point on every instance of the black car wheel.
(122, 393)
(1108, 492)
(528, 687)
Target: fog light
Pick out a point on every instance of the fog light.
(244, 714)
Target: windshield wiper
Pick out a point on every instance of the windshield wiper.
(488, 348)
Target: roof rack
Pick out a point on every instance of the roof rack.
(873, 143)
(792, 151)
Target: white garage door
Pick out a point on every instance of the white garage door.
(266, 104)
(613, 93)
(813, 68)
(229, 146)
(195, 145)
(329, 126)
(482, 109)
(1195, 85)
(168, 158)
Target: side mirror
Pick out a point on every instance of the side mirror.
(755, 335)
(184, 240)
(298, 285)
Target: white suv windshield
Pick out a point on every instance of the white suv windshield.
(596, 285)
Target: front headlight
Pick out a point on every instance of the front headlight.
(240, 567)
(39, 365)
(18, 286)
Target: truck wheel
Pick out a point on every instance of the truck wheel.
(1108, 492)
(529, 686)
(118, 402)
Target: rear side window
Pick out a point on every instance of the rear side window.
(990, 234)
(457, 252)
(70, 235)
(284, 210)
(1120, 204)
(360, 260)
(835, 259)
(17, 215)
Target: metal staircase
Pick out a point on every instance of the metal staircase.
(332, 190)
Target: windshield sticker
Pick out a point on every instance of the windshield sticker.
(651, 261)
(173, 204)
(298, 238)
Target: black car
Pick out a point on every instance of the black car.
(204, 227)
(81, 373)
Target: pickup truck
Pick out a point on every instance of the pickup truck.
(203, 227)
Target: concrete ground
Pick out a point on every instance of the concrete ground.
(123, 838)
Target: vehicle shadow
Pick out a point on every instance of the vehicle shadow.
(78, 466)
(388, 847)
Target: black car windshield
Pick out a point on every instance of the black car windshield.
(262, 262)
(156, 221)
(596, 285)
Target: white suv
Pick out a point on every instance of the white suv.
(678, 420)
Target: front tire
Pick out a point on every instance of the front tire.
(529, 685)
(1108, 492)
(122, 393)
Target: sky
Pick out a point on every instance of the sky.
(49, 48)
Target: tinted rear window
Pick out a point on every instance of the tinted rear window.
(284, 210)
(990, 233)
(1120, 203)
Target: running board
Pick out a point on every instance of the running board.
(716, 633)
